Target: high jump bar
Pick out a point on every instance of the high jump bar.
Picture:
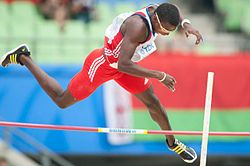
(117, 130)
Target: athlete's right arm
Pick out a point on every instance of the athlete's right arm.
(135, 32)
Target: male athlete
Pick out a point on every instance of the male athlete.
(129, 39)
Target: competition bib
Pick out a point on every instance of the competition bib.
(146, 50)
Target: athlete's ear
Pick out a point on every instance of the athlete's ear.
(154, 19)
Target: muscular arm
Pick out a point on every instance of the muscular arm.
(134, 32)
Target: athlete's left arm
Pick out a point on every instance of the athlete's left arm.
(189, 29)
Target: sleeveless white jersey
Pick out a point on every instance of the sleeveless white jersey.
(114, 38)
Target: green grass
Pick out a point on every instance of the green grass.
(192, 120)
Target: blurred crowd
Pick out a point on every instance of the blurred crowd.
(207, 18)
(61, 10)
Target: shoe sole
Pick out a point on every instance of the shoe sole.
(13, 50)
(191, 161)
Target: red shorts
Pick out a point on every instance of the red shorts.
(97, 70)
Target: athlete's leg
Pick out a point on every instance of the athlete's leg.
(156, 110)
(95, 71)
(159, 115)
(21, 55)
(143, 90)
(62, 98)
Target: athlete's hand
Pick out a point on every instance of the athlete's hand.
(189, 30)
(169, 81)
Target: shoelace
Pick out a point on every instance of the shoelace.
(179, 148)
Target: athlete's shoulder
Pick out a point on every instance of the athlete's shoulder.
(135, 21)
(136, 28)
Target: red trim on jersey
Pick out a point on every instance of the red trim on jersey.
(141, 13)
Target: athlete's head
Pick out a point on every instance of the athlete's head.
(166, 18)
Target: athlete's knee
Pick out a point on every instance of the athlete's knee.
(62, 105)
(153, 103)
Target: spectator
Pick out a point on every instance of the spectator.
(55, 9)
(83, 10)
(3, 161)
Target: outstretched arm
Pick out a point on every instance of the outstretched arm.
(189, 29)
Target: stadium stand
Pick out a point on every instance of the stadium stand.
(234, 13)
(50, 45)
(246, 21)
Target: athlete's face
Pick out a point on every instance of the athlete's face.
(163, 28)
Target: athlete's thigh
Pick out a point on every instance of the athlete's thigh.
(90, 77)
(132, 84)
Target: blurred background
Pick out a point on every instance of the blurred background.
(61, 33)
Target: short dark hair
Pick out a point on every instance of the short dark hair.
(168, 13)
